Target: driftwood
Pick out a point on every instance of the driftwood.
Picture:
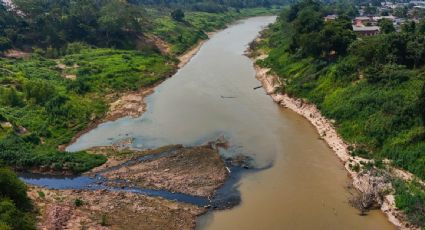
(227, 97)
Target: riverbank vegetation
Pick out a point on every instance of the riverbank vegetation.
(373, 87)
(63, 62)
(15, 206)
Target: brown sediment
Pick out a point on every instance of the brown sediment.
(197, 171)
(73, 209)
(367, 182)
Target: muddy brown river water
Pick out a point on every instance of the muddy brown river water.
(213, 96)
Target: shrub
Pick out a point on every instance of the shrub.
(78, 202)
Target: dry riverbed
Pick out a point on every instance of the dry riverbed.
(196, 171)
(73, 209)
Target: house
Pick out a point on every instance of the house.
(366, 30)
(390, 17)
(363, 20)
(330, 17)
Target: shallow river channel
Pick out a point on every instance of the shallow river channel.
(213, 96)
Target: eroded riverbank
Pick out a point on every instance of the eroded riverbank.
(372, 183)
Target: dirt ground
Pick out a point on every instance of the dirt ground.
(71, 209)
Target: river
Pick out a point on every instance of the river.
(213, 96)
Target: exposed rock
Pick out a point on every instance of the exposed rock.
(110, 210)
(198, 171)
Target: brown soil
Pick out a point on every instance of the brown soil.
(163, 46)
(197, 171)
(57, 209)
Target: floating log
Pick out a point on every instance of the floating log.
(227, 97)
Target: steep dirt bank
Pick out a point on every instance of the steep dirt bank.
(72, 209)
(369, 182)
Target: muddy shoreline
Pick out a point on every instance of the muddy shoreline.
(364, 181)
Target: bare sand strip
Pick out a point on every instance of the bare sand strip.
(362, 181)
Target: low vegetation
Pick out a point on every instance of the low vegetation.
(373, 87)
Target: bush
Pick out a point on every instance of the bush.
(411, 199)
(15, 189)
(78, 202)
(178, 15)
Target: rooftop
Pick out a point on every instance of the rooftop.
(365, 28)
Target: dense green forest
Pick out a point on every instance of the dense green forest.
(373, 87)
(212, 6)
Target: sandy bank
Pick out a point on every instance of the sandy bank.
(366, 182)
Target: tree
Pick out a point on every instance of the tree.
(4, 43)
(415, 49)
(117, 18)
(39, 91)
(409, 27)
(308, 21)
(421, 104)
(178, 15)
(13, 188)
(401, 12)
(421, 26)
(337, 36)
(386, 26)
(370, 10)
(10, 97)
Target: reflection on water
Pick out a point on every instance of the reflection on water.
(212, 96)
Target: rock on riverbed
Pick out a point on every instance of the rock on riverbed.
(197, 171)
(71, 209)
